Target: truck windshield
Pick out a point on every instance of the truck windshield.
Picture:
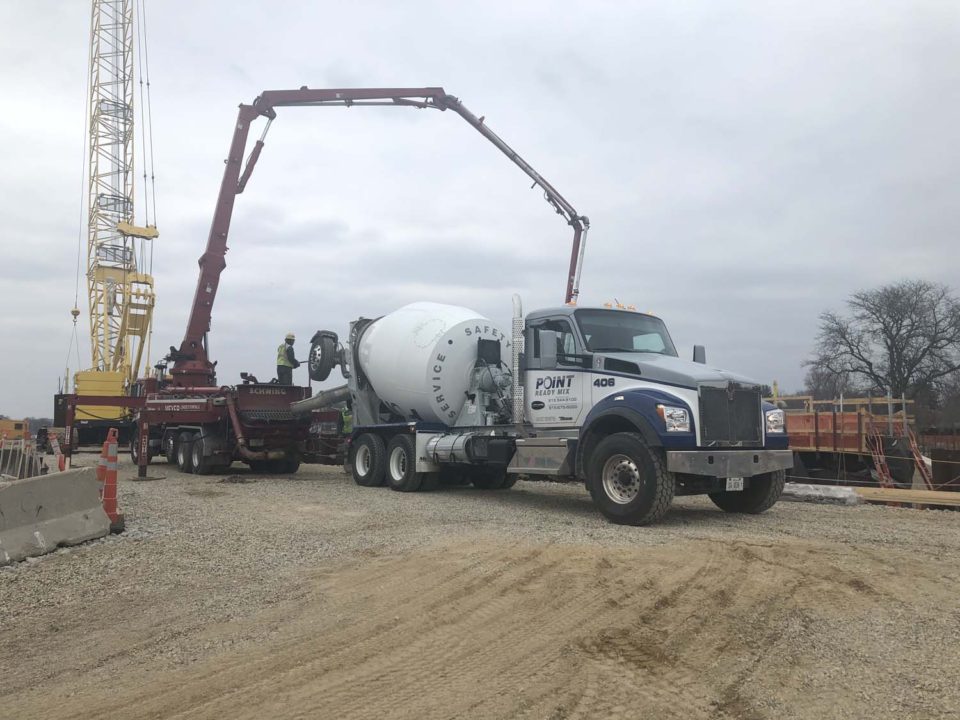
(624, 331)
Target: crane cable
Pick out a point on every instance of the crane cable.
(146, 123)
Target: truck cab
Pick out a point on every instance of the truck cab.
(609, 401)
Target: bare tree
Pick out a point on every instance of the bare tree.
(904, 336)
(825, 384)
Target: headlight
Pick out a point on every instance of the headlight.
(675, 419)
(776, 423)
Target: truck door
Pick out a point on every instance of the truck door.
(554, 396)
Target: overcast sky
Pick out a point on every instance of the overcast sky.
(744, 166)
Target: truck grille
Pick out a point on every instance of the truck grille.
(730, 416)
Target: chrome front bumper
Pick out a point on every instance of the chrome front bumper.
(728, 463)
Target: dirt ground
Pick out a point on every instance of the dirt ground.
(309, 597)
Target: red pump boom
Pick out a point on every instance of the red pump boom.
(192, 367)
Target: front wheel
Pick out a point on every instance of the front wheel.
(763, 493)
(629, 481)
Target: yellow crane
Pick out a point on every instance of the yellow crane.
(119, 253)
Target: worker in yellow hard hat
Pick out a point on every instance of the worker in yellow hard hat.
(286, 360)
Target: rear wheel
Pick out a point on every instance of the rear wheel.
(628, 481)
(291, 465)
(368, 460)
(763, 493)
(275, 466)
(402, 472)
(258, 466)
(489, 478)
(431, 481)
(454, 476)
(202, 465)
(170, 447)
(185, 452)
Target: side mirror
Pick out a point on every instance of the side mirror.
(548, 348)
(700, 354)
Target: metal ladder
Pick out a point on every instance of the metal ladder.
(925, 472)
(875, 443)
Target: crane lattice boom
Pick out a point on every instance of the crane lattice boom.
(119, 285)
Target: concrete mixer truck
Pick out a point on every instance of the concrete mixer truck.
(596, 395)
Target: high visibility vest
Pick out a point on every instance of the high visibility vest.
(282, 356)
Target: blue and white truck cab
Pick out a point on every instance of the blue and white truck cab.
(598, 395)
(639, 424)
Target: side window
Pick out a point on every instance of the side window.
(566, 340)
(536, 339)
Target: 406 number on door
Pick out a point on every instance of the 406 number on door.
(603, 382)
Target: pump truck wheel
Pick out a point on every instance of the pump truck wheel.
(368, 459)
(202, 465)
(762, 493)
(402, 472)
(170, 447)
(185, 452)
(628, 481)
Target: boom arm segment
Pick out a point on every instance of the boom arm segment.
(192, 366)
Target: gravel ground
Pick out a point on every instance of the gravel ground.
(523, 603)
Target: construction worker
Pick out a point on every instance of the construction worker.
(286, 360)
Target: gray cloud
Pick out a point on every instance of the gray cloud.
(744, 166)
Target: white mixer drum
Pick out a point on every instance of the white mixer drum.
(419, 358)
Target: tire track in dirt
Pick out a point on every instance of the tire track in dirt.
(480, 628)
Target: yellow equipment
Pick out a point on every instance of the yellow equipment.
(119, 254)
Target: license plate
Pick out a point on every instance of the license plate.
(735, 483)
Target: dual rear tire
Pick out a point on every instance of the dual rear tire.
(368, 460)
(373, 463)
(402, 474)
(185, 451)
(189, 452)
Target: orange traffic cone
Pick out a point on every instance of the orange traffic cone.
(107, 476)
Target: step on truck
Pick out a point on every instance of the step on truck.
(440, 393)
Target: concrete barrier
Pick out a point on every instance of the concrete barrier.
(39, 514)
